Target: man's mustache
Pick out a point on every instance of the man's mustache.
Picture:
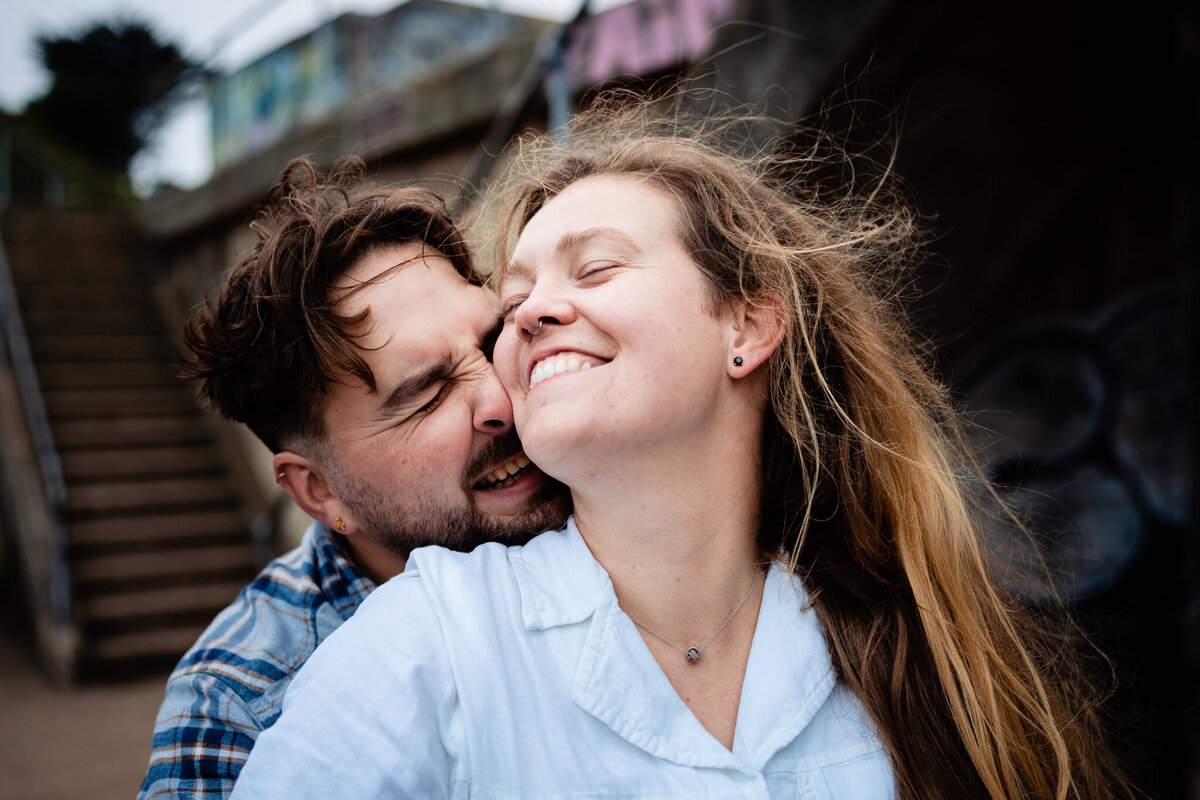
(497, 451)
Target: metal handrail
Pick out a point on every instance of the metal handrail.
(14, 340)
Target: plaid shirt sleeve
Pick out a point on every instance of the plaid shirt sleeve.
(202, 738)
(229, 687)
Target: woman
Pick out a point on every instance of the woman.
(772, 584)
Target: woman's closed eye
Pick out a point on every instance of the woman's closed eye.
(598, 269)
(509, 307)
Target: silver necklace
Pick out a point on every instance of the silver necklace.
(692, 654)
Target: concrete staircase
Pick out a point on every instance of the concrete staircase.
(158, 529)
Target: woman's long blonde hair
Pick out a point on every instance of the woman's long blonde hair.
(866, 486)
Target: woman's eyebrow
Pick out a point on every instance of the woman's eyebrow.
(573, 240)
(514, 269)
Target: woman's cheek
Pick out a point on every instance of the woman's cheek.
(504, 357)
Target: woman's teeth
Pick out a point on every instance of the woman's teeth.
(556, 365)
(506, 475)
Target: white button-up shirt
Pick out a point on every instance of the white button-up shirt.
(513, 673)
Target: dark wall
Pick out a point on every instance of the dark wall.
(1051, 149)
(1046, 144)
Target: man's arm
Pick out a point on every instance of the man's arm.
(202, 737)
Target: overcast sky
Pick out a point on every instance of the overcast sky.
(182, 154)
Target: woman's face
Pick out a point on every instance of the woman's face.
(628, 357)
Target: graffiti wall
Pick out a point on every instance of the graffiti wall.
(1082, 425)
(643, 38)
(353, 58)
(349, 58)
(286, 89)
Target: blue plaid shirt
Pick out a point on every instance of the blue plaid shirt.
(229, 687)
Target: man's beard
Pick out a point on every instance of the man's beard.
(403, 524)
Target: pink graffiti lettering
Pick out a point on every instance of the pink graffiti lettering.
(644, 37)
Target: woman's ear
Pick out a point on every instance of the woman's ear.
(308, 485)
(758, 327)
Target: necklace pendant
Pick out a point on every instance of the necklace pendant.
(693, 655)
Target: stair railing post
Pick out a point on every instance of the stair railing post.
(5, 169)
(57, 639)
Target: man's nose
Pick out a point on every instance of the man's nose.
(493, 409)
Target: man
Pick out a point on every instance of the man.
(354, 340)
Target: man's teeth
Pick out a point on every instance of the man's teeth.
(506, 475)
(556, 365)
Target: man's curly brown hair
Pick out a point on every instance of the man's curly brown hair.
(271, 345)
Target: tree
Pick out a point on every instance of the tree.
(112, 86)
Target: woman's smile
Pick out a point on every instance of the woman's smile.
(561, 363)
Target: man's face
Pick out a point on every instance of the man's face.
(417, 461)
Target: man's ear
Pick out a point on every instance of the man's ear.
(758, 328)
(309, 486)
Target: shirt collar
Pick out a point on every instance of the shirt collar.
(559, 580)
(788, 676)
(342, 583)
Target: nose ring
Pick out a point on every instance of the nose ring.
(536, 330)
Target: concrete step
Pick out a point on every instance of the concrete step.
(60, 254)
(96, 347)
(158, 539)
(202, 597)
(161, 643)
(89, 321)
(107, 374)
(162, 564)
(133, 530)
(122, 497)
(125, 431)
(94, 273)
(127, 295)
(90, 465)
(74, 263)
(62, 226)
(154, 401)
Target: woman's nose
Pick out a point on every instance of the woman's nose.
(543, 307)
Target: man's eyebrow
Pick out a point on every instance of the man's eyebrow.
(414, 385)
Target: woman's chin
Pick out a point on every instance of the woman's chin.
(558, 449)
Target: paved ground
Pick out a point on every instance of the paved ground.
(90, 742)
